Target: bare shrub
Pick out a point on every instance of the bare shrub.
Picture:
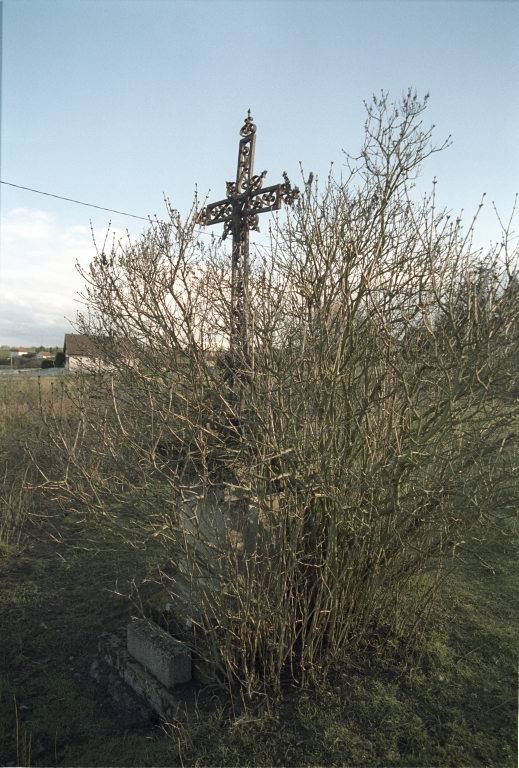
(374, 439)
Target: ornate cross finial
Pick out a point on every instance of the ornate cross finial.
(248, 126)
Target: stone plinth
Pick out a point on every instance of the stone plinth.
(165, 657)
(112, 650)
(222, 533)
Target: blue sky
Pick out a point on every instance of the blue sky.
(117, 102)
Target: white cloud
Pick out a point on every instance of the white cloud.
(39, 282)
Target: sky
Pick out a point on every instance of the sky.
(120, 102)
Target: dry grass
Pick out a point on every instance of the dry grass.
(21, 433)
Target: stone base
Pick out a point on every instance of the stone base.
(161, 654)
(113, 651)
(171, 610)
(129, 709)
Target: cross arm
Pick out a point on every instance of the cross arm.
(217, 213)
(252, 203)
(265, 200)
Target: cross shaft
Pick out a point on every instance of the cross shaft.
(239, 213)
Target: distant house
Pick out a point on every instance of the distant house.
(82, 353)
(18, 352)
(44, 356)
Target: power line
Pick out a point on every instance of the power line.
(70, 200)
(89, 205)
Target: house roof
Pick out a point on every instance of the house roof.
(80, 345)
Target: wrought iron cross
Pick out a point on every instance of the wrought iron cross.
(239, 212)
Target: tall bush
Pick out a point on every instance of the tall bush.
(376, 439)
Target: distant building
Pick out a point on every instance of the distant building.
(44, 356)
(18, 352)
(82, 353)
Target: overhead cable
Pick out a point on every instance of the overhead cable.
(70, 200)
(90, 205)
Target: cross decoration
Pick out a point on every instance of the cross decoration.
(239, 213)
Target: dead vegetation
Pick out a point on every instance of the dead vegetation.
(324, 484)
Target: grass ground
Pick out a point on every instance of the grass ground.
(456, 705)
(63, 584)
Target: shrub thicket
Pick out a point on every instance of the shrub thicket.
(375, 438)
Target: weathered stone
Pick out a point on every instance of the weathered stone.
(162, 655)
(113, 651)
(224, 533)
(170, 609)
(130, 707)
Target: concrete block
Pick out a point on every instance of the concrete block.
(173, 610)
(164, 656)
(112, 650)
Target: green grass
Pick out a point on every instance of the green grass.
(453, 704)
(64, 582)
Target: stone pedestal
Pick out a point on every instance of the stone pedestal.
(169, 704)
(223, 532)
(161, 654)
(225, 537)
